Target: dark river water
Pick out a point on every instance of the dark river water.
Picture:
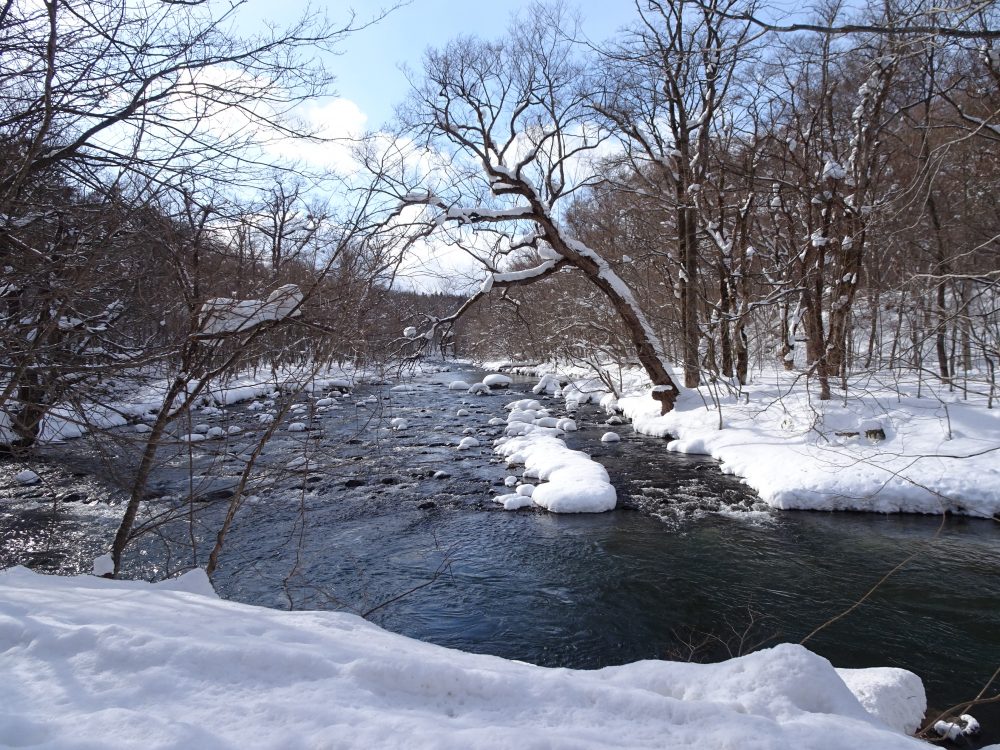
(689, 566)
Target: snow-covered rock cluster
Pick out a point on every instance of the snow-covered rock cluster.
(572, 482)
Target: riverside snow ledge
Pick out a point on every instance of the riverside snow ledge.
(940, 453)
(90, 662)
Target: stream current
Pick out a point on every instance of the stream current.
(690, 565)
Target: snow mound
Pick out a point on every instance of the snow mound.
(458, 385)
(114, 664)
(497, 380)
(896, 696)
(479, 389)
(467, 443)
(611, 437)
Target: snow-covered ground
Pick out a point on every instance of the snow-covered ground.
(137, 403)
(89, 662)
(940, 451)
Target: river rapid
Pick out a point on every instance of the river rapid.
(401, 526)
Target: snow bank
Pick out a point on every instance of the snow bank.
(69, 421)
(90, 662)
(940, 453)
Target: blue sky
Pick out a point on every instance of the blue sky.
(368, 70)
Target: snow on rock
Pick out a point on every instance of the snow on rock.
(103, 565)
(142, 429)
(528, 416)
(479, 389)
(524, 404)
(196, 437)
(548, 383)
(497, 380)
(462, 413)
(265, 678)
(214, 433)
(610, 437)
(467, 443)
(609, 403)
(403, 388)
(513, 501)
(27, 478)
(525, 489)
(458, 385)
(410, 332)
(399, 423)
(297, 427)
(567, 425)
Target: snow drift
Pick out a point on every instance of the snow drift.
(118, 664)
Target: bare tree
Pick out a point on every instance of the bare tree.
(108, 109)
(514, 119)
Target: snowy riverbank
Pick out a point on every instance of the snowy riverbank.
(893, 445)
(137, 401)
(121, 664)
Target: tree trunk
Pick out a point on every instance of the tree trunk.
(648, 349)
(690, 335)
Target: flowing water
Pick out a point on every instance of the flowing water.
(690, 565)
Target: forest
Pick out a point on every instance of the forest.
(761, 242)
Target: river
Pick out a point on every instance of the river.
(689, 566)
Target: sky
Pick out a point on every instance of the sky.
(371, 84)
(370, 81)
